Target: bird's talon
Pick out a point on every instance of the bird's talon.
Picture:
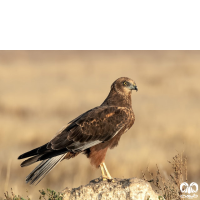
(111, 180)
(104, 178)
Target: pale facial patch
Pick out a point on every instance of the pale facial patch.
(126, 90)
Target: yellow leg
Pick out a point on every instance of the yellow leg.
(107, 172)
(103, 173)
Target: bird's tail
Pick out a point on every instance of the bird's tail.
(43, 169)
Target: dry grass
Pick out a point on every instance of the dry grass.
(44, 195)
(42, 91)
(169, 185)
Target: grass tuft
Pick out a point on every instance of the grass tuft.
(50, 195)
(13, 196)
(45, 195)
(169, 186)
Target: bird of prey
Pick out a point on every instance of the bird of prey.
(91, 133)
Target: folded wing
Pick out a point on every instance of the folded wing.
(99, 125)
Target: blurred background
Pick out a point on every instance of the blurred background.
(41, 91)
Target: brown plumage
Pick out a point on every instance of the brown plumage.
(91, 133)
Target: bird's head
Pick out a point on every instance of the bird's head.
(124, 85)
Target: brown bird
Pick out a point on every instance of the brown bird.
(91, 133)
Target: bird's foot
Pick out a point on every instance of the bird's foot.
(106, 178)
(111, 180)
(105, 174)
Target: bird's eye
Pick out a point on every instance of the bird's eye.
(125, 83)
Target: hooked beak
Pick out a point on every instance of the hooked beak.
(134, 87)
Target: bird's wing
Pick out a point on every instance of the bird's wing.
(93, 127)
